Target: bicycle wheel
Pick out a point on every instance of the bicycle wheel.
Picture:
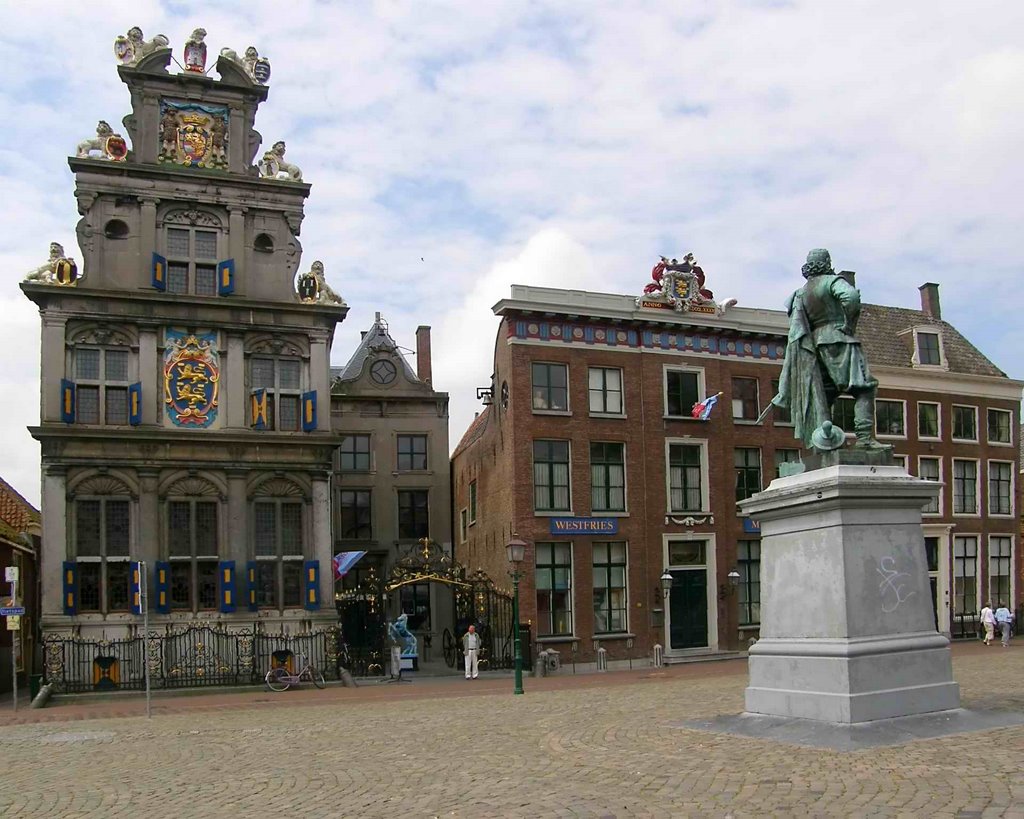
(318, 678)
(277, 679)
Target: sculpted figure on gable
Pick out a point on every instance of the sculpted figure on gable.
(130, 48)
(274, 165)
(58, 269)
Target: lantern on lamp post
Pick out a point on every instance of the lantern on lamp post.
(516, 551)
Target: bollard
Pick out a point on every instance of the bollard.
(42, 697)
(602, 659)
(658, 660)
(347, 680)
(540, 668)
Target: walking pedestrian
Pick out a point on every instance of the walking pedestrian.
(988, 620)
(471, 649)
(1004, 618)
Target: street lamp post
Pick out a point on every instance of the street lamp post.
(516, 551)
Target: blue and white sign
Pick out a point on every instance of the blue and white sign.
(584, 526)
(751, 527)
(12, 611)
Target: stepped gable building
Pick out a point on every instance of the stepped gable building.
(19, 548)
(589, 450)
(391, 480)
(185, 413)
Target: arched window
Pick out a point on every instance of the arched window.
(193, 536)
(102, 544)
(279, 543)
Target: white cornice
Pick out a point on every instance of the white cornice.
(933, 381)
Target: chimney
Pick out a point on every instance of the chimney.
(423, 371)
(930, 300)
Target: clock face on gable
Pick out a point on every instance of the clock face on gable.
(383, 372)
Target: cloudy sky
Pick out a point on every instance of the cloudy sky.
(457, 147)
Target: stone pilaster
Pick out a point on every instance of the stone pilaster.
(52, 360)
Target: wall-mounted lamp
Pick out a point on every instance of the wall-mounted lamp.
(666, 583)
(724, 590)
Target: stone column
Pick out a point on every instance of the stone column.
(147, 239)
(149, 374)
(236, 245)
(237, 546)
(847, 631)
(232, 389)
(53, 360)
(147, 545)
(320, 377)
(323, 542)
(55, 549)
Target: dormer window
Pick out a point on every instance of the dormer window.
(192, 264)
(928, 347)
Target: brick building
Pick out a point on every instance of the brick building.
(587, 449)
(19, 548)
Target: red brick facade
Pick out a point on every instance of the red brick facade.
(497, 454)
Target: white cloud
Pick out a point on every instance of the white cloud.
(472, 135)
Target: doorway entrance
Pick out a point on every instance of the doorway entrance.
(686, 623)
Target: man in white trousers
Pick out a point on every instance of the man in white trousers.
(471, 648)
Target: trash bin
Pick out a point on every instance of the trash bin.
(35, 682)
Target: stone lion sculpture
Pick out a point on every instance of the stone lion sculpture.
(274, 165)
(248, 62)
(131, 48)
(327, 293)
(96, 143)
(47, 273)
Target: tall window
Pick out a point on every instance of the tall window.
(609, 587)
(192, 551)
(842, 413)
(550, 386)
(965, 487)
(748, 564)
(413, 514)
(463, 525)
(102, 539)
(1000, 474)
(747, 462)
(684, 478)
(999, 426)
(356, 518)
(928, 348)
(281, 378)
(965, 574)
(101, 386)
(999, 570)
(605, 390)
(551, 476)
(412, 452)
(355, 453)
(785, 456)
(607, 477)
(472, 501)
(554, 589)
(927, 420)
(965, 423)
(682, 391)
(930, 469)
(744, 399)
(278, 539)
(192, 261)
(782, 415)
(889, 418)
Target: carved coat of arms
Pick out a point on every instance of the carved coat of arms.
(193, 135)
(308, 288)
(191, 378)
(679, 285)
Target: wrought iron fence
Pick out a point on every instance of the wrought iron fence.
(198, 654)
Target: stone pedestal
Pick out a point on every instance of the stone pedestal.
(847, 628)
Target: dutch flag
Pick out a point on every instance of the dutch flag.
(702, 409)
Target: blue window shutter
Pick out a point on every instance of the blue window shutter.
(135, 587)
(159, 272)
(135, 403)
(67, 401)
(161, 585)
(226, 584)
(259, 409)
(312, 568)
(226, 277)
(250, 578)
(309, 411)
(70, 587)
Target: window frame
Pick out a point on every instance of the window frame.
(411, 456)
(279, 559)
(608, 487)
(102, 384)
(193, 559)
(607, 566)
(988, 426)
(903, 418)
(744, 418)
(932, 330)
(547, 629)
(746, 472)
(603, 392)
(355, 454)
(567, 409)
(995, 595)
(360, 509)
(705, 489)
(938, 421)
(421, 527)
(277, 392)
(952, 423)
(977, 493)
(965, 610)
(1010, 487)
(698, 373)
(848, 401)
(939, 500)
(748, 583)
(552, 487)
(103, 559)
(193, 262)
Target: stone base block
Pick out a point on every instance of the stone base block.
(851, 680)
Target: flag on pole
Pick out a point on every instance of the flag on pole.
(702, 409)
(343, 561)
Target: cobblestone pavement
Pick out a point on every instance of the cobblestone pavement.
(594, 746)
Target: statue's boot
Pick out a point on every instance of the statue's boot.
(864, 423)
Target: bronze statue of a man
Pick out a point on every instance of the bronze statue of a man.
(824, 358)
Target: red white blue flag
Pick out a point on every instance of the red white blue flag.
(343, 561)
(702, 409)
